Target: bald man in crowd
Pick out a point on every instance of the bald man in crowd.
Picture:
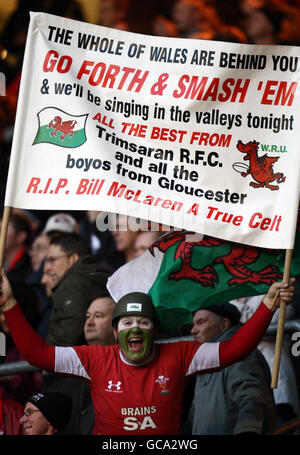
(98, 325)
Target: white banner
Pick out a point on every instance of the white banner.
(200, 135)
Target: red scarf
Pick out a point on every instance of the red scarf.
(17, 257)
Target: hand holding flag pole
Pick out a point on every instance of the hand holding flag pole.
(281, 319)
(5, 220)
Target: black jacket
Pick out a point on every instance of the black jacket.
(237, 399)
(83, 282)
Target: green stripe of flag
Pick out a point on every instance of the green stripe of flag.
(44, 136)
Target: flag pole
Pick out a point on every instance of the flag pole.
(5, 220)
(281, 320)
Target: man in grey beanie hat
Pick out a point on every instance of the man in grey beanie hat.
(238, 399)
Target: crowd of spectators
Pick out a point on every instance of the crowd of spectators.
(58, 263)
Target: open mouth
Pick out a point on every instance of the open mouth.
(135, 343)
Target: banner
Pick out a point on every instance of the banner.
(200, 135)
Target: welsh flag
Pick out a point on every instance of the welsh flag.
(58, 127)
(183, 273)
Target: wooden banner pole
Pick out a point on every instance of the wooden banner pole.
(281, 320)
(5, 220)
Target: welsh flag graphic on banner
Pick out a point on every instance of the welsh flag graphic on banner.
(60, 128)
(183, 273)
(204, 139)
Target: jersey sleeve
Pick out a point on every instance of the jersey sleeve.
(214, 356)
(199, 357)
(72, 361)
(32, 347)
(85, 361)
(246, 338)
(75, 361)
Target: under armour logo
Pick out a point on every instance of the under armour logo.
(111, 385)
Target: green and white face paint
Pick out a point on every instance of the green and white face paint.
(135, 335)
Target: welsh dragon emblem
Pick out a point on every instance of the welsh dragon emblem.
(236, 262)
(260, 167)
(63, 127)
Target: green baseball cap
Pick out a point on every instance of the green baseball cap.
(135, 304)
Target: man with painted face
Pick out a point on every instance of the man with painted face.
(135, 323)
(137, 386)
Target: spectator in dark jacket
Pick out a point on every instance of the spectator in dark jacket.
(239, 398)
(56, 225)
(73, 272)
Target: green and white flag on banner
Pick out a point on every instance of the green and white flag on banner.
(60, 128)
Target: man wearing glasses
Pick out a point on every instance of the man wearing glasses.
(46, 414)
(74, 274)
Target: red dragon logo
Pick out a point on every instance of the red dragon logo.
(260, 168)
(236, 261)
(64, 127)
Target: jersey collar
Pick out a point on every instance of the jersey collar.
(123, 358)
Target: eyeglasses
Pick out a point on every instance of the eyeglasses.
(28, 412)
(37, 249)
(53, 259)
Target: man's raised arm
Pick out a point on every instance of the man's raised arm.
(213, 356)
(250, 334)
(28, 342)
